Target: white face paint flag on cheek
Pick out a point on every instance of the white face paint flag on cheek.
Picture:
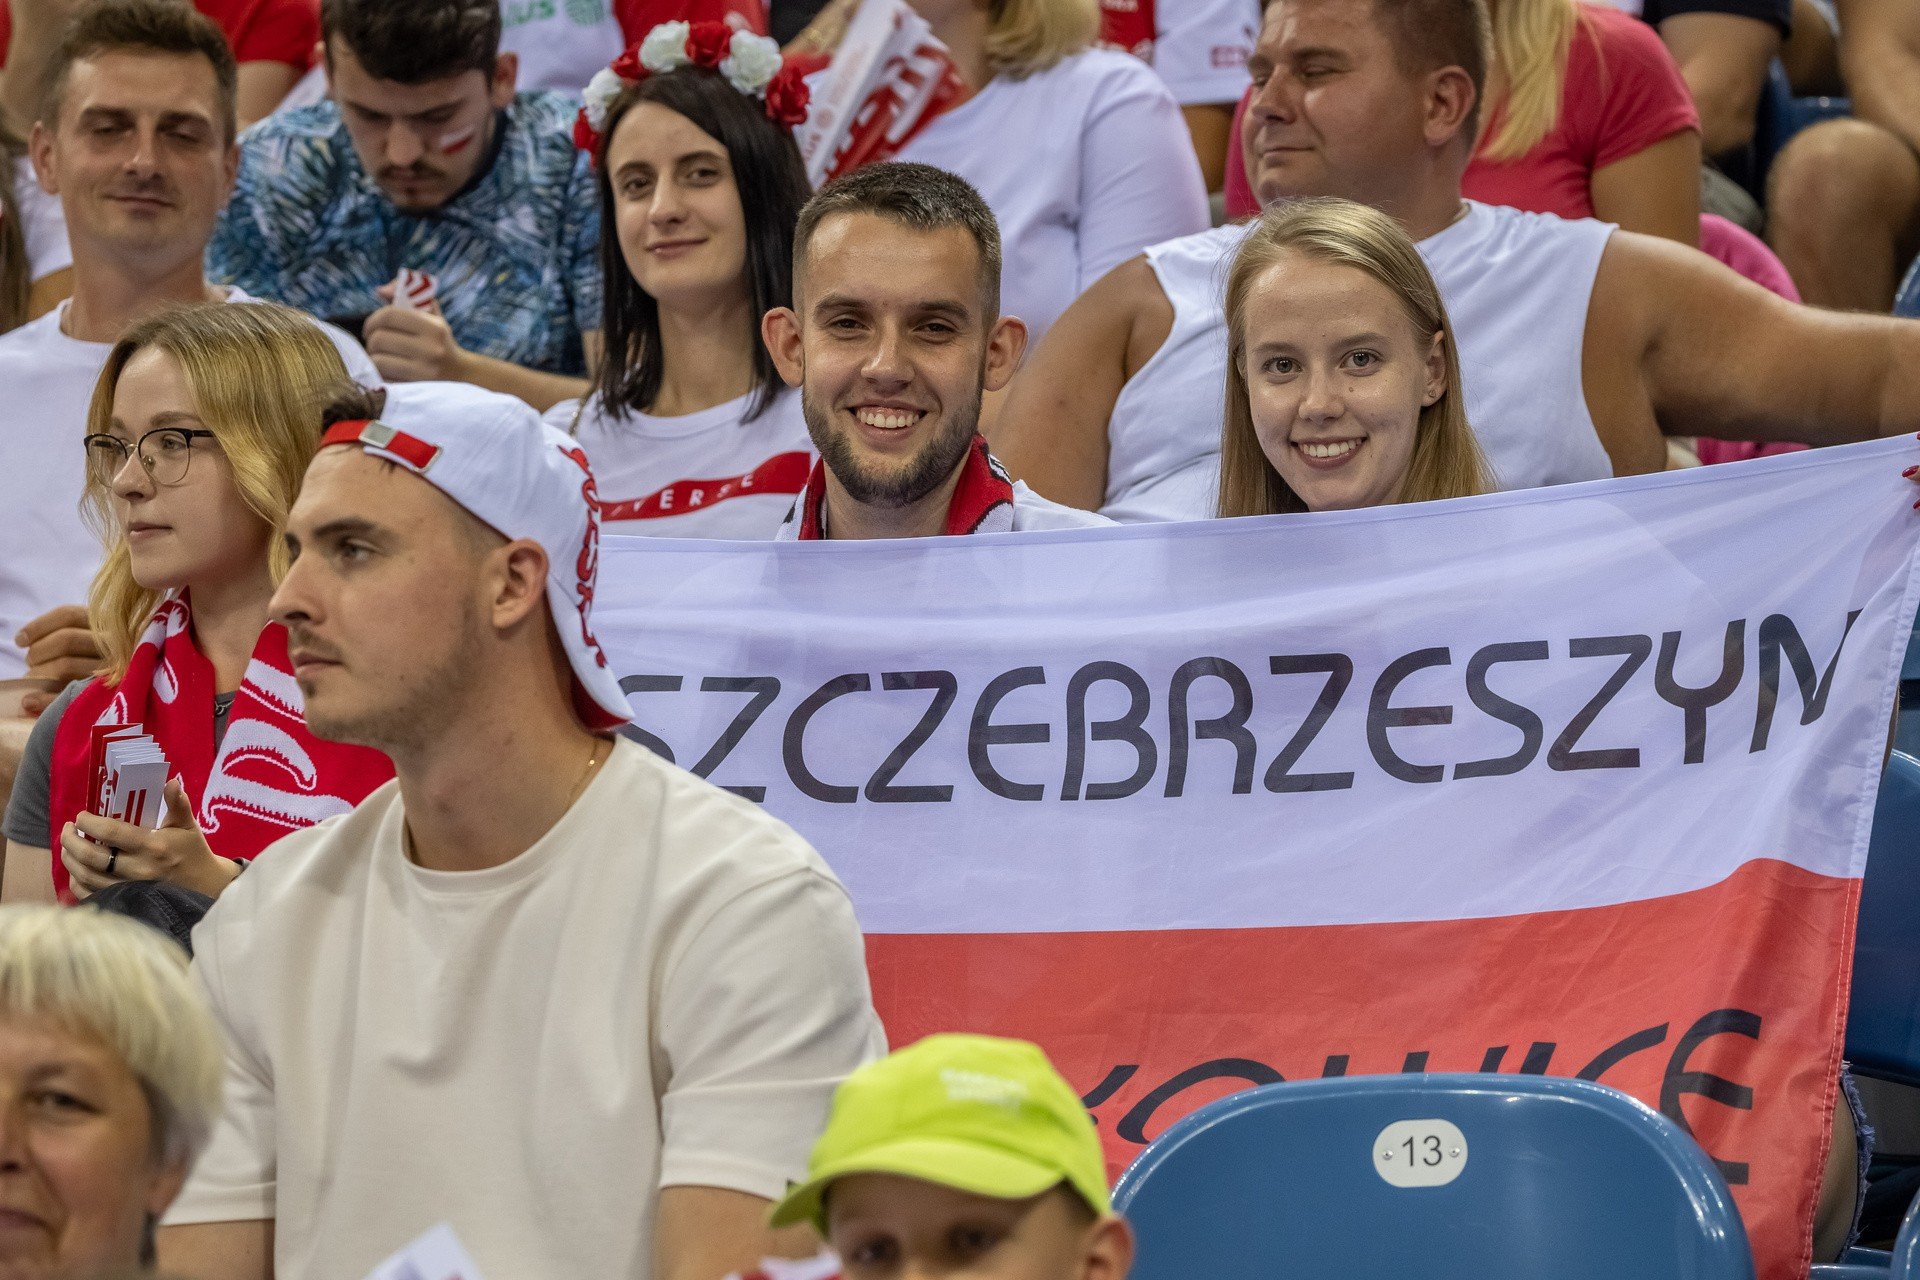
(1576, 781)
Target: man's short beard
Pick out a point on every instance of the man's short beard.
(926, 472)
(413, 719)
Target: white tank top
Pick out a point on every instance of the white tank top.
(1516, 287)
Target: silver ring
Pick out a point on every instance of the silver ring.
(113, 856)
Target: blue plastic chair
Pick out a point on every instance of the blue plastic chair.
(1561, 1178)
(1906, 302)
(1906, 1248)
(1782, 115)
(1883, 1020)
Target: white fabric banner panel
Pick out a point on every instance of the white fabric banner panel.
(1204, 805)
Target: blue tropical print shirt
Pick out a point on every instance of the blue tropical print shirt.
(515, 256)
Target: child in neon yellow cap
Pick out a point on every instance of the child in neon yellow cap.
(962, 1156)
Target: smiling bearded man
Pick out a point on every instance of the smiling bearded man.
(894, 336)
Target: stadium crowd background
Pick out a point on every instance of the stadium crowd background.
(266, 268)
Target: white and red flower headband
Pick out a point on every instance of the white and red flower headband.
(751, 63)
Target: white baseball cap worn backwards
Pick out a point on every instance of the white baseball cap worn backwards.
(523, 479)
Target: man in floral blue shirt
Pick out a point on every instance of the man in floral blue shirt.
(426, 159)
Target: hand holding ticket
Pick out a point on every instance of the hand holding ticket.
(129, 775)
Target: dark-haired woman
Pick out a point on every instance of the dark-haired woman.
(690, 430)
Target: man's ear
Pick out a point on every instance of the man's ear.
(520, 584)
(40, 151)
(1450, 99)
(780, 330)
(506, 79)
(1006, 346)
(1109, 1250)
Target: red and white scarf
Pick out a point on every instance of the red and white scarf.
(271, 776)
(982, 500)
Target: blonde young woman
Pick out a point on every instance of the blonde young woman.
(1081, 153)
(1343, 382)
(200, 430)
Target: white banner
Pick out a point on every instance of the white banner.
(1467, 748)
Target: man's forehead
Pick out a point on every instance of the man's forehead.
(394, 96)
(1294, 24)
(865, 256)
(344, 482)
(142, 80)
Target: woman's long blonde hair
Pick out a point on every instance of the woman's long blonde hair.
(1446, 461)
(1527, 75)
(1025, 36)
(258, 373)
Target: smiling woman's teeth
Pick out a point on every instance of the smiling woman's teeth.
(1330, 449)
(888, 419)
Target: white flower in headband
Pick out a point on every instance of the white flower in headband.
(599, 95)
(665, 48)
(751, 62)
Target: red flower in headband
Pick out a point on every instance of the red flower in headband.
(788, 97)
(751, 63)
(708, 43)
(628, 66)
(583, 135)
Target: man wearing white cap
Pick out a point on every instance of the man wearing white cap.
(544, 986)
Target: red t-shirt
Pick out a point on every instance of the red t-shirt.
(637, 17)
(1621, 95)
(257, 30)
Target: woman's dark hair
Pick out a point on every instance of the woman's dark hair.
(15, 271)
(772, 182)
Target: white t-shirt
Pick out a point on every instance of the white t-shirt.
(47, 553)
(561, 44)
(1516, 286)
(1199, 47)
(710, 474)
(42, 223)
(1084, 165)
(663, 991)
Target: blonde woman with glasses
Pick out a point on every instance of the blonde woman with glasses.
(1343, 379)
(200, 430)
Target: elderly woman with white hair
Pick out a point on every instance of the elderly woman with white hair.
(110, 1070)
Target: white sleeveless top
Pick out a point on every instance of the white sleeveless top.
(1516, 287)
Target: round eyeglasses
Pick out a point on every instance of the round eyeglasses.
(165, 452)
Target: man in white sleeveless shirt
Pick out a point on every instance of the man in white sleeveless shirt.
(1580, 343)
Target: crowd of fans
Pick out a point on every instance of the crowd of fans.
(315, 428)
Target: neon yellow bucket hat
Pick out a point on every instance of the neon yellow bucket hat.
(975, 1113)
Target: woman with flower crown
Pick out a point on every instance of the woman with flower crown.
(689, 428)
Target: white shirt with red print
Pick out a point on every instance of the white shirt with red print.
(712, 474)
(1199, 47)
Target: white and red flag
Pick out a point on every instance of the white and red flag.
(1574, 780)
(887, 78)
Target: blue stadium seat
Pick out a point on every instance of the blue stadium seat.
(1906, 1249)
(1546, 1173)
(1883, 1020)
(1907, 301)
(1781, 116)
